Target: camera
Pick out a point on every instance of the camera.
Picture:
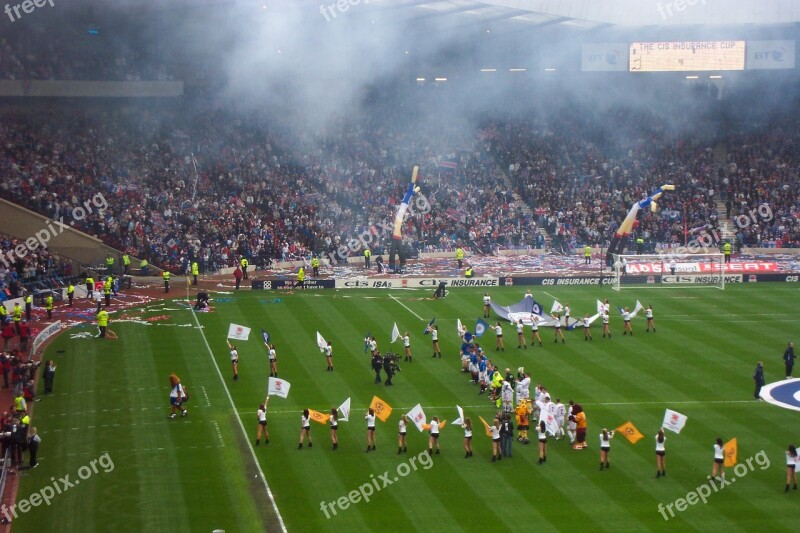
(393, 361)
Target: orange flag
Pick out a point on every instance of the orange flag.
(486, 427)
(318, 417)
(629, 431)
(382, 409)
(731, 450)
(442, 425)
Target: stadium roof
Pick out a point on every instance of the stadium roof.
(591, 14)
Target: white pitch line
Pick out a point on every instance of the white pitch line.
(407, 308)
(550, 295)
(205, 395)
(241, 424)
(219, 434)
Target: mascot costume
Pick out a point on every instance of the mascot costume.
(620, 238)
(397, 231)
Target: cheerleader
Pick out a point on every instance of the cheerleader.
(329, 356)
(487, 304)
(273, 361)
(495, 429)
(373, 345)
(333, 420)
(401, 435)
(626, 317)
(605, 446)
(791, 463)
(407, 345)
(433, 439)
(606, 328)
(262, 422)
(434, 330)
(498, 332)
(649, 314)
(718, 470)
(587, 333)
(370, 418)
(541, 433)
(535, 330)
(557, 328)
(521, 335)
(661, 470)
(467, 427)
(234, 361)
(305, 428)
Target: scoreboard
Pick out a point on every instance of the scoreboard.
(686, 56)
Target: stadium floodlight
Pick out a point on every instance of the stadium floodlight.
(660, 271)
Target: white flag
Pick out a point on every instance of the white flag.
(240, 333)
(673, 420)
(546, 415)
(321, 342)
(395, 332)
(460, 328)
(278, 387)
(601, 308)
(417, 415)
(344, 410)
(636, 309)
(460, 420)
(557, 307)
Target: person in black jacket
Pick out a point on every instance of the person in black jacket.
(49, 376)
(506, 435)
(758, 377)
(388, 366)
(788, 359)
(377, 364)
(33, 446)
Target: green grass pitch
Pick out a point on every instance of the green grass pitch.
(200, 473)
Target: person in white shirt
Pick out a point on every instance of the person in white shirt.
(305, 428)
(648, 313)
(328, 351)
(791, 465)
(557, 327)
(605, 447)
(541, 434)
(560, 415)
(521, 335)
(587, 332)
(261, 414)
(467, 427)
(433, 439)
(373, 346)
(407, 344)
(434, 330)
(333, 420)
(495, 429)
(566, 316)
(661, 452)
(507, 397)
(571, 425)
(626, 318)
(370, 418)
(535, 330)
(498, 331)
(606, 328)
(273, 361)
(524, 388)
(487, 305)
(718, 470)
(234, 361)
(401, 435)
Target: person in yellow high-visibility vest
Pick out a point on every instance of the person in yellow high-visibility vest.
(195, 272)
(244, 263)
(70, 293)
(102, 322)
(726, 249)
(143, 266)
(587, 255)
(89, 286)
(107, 290)
(28, 305)
(301, 279)
(17, 314)
(109, 264)
(126, 263)
(460, 257)
(367, 256)
(165, 277)
(315, 266)
(48, 305)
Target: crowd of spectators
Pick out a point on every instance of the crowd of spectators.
(34, 266)
(209, 184)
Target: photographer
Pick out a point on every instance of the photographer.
(377, 364)
(390, 367)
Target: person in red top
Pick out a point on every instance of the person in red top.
(9, 332)
(24, 335)
(238, 275)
